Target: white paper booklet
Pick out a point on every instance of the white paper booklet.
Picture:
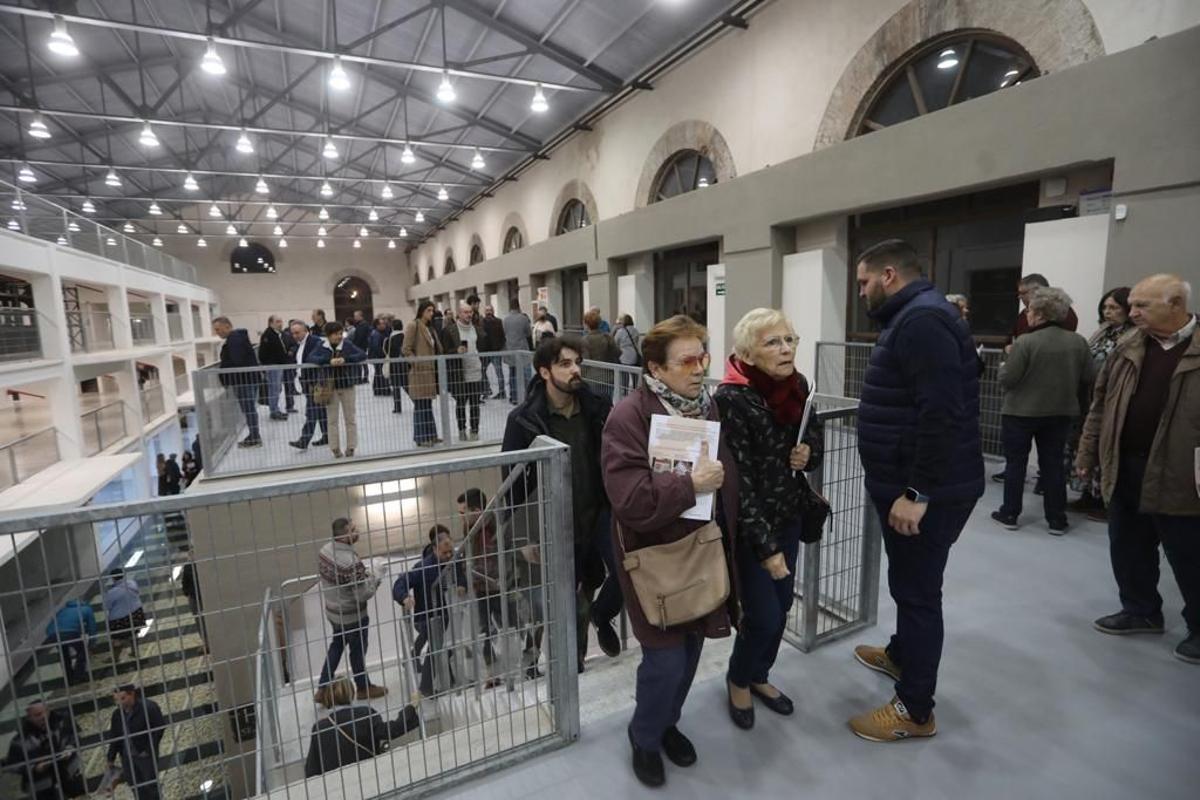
(675, 447)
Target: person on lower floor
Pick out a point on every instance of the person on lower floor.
(306, 380)
(190, 586)
(45, 753)
(423, 591)
(347, 586)
(134, 731)
(340, 361)
(762, 399)
(559, 404)
(237, 356)
(123, 613)
(464, 338)
(646, 509)
(922, 454)
(1043, 376)
(72, 628)
(422, 342)
(1142, 432)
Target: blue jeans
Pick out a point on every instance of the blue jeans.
(765, 606)
(247, 397)
(274, 386)
(664, 679)
(1050, 433)
(424, 425)
(515, 388)
(498, 367)
(916, 565)
(354, 637)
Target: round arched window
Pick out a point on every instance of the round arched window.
(513, 240)
(253, 258)
(573, 217)
(683, 172)
(942, 72)
(449, 265)
(476, 255)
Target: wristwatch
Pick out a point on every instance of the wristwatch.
(913, 496)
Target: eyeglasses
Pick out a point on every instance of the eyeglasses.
(691, 362)
(776, 342)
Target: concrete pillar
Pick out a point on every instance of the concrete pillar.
(131, 396)
(51, 316)
(754, 277)
(158, 310)
(118, 309)
(554, 293)
(635, 291)
(600, 289)
(62, 396)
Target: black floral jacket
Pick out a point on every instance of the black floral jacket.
(769, 494)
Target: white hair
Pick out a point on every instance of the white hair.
(1050, 303)
(749, 327)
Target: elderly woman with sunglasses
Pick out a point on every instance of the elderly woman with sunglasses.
(646, 509)
(761, 400)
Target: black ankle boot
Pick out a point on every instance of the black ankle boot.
(647, 766)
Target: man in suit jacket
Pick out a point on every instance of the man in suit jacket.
(273, 350)
(306, 378)
(134, 732)
(237, 352)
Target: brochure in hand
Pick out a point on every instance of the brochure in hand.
(675, 447)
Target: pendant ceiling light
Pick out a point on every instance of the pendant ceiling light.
(357, 244)
(322, 214)
(338, 79)
(214, 212)
(181, 228)
(272, 213)
(391, 244)
(154, 210)
(127, 227)
(408, 156)
(112, 179)
(189, 183)
(443, 195)
(373, 215)
(387, 193)
(37, 127)
(326, 189)
(242, 242)
(403, 232)
(261, 187)
(283, 243)
(445, 90)
(321, 243)
(702, 183)
(330, 150)
(147, 138)
(201, 243)
(13, 225)
(157, 242)
(321, 231)
(18, 204)
(230, 230)
(277, 231)
(110, 241)
(73, 226)
(25, 175)
(60, 42)
(363, 232)
(477, 161)
(244, 145)
(61, 239)
(212, 63)
(539, 105)
(419, 216)
(88, 207)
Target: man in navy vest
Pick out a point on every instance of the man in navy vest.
(918, 437)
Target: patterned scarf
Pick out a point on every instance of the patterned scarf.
(697, 408)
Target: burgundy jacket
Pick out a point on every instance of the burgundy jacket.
(647, 506)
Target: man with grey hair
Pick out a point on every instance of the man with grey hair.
(1143, 431)
(1046, 372)
(465, 336)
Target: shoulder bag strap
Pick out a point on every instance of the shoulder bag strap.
(351, 739)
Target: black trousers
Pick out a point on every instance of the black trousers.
(74, 652)
(466, 398)
(664, 679)
(1019, 434)
(314, 415)
(765, 605)
(916, 565)
(1133, 548)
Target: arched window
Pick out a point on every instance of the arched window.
(683, 172)
(573, 217)
(476, 254)
(942, 72)
(352, 294)
(251, 259)
(513, 240)
(449, 265)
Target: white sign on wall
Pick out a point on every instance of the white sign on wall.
(716, 319)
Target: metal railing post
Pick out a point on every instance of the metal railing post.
(443, 380)
(12, 465)
(559, 597)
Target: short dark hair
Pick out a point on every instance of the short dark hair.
(895, 253)
(117, 573)
(1120, 295)
(472, 299)
(473, 499)
(514, 304)
(222, 321)
(627, 320)
(333, 327)
(424, 304)
(436, 531)
(550, 349)
(128, 687)
(320, 311)
(340, 526)
(1034, 279)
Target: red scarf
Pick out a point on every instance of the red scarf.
(785, 398)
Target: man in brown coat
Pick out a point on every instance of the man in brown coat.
(1144, 432)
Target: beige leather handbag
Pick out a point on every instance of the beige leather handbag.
(681, 581)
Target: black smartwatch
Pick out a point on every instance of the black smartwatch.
(913, 496)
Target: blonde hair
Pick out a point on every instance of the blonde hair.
(748, 328)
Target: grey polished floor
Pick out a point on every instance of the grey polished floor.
(1032, 702)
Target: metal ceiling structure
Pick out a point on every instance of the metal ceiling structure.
(525, 75)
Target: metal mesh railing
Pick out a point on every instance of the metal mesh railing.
(94, 331)
(103, 427)
(396, 407)
(141, 326)
(153, 402)
(223, 623)
(19, 336)
(27, 456)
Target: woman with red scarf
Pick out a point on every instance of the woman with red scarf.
(762, 400)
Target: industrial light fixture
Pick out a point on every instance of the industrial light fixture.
(443, 195)
(61, 239)
(419, 216)
(110, 241)
(157, 242)
(201, 243)
(272, 213)
(18, 204)
(112, 179)
(321, 243)
(357, 244)
(445, 90)
(181, 228)
(330, 150)
(230, 230)
(88, 207)
(326, 189)
(37, 127)
(539, 105)
(387, 193)
(947, 59)
(702, 183)
(283, 243)
(147, 137)
(373, 215)
(60, 42)
(242, 242)
(407, 157)
(13, 225)
(25, 175)
(73, 226)
(212, 63)
(338, 79)
(214, 212)
(128, 227)
(391, 244)
(322, 214)
(477, 161)
(363, 232)
(244, 145)
(321, 231)
(261, 187)
(278, 231)
(189, 183)
(403, 232)
(154, 210)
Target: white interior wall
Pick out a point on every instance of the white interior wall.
(1071, 254)
(1123, 24)
(814, 291)
(716, 320)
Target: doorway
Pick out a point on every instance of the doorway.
(352, 294)
(681, 281)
